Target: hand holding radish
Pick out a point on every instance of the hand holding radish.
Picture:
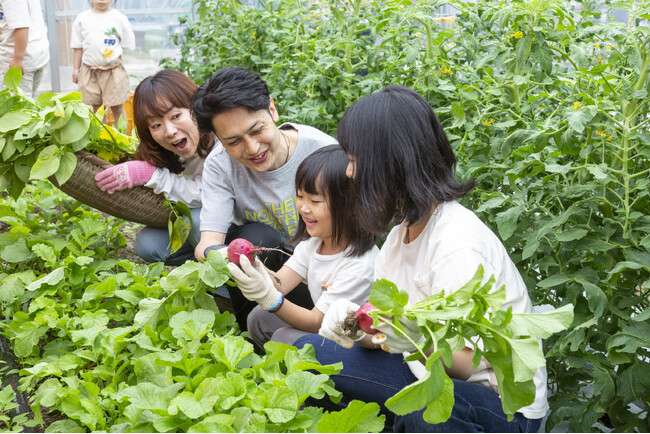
(394, 341)
(332, 325)
(254, 282)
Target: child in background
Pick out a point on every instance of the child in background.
(98, 37)
(334, 256)
(23, 42)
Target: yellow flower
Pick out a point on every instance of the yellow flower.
(447, 20)
(419, 40)
(599, 58)
(444, 69)
(418, 34)
(488, 122)
(609, 139)
(108, 53)
(600, 133)
(609, 47)
(577, 105)
(596, 45)
(517, 35)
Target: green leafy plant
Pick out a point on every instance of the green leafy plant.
(39, 137)
(448, 321)
(545, 103)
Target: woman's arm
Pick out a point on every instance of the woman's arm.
(177, 187)
(300, 318)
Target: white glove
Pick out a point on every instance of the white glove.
(331, 327)
(255, 283)
(394, 341)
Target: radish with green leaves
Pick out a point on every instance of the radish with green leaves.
(240, 246)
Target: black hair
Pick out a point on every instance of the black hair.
(404, 163)
(323, 172)
(229, 88)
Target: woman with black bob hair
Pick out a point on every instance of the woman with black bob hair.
(403, 170)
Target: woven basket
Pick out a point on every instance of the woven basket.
(137, 204)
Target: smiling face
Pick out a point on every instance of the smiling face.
(175, 131)
(315, 212)
(252, 138)
(101, 5)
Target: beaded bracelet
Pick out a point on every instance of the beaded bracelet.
(278, 304)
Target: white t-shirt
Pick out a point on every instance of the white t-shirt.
(445, 256)
(16, 14)
(102, 36)
(330, 277)
(180, 187)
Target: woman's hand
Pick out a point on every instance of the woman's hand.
(331, 327)
(396, 342)
(124, 175)
(255, 283)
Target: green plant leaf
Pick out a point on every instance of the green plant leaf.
(421, 393)
(74, 130)
(232, 390)
(196, 404)
(541, 325)
(13, 77)
(214, 272)
(14, 120)
(67, 164)
(191, 325)
(356, 417)
(16, 252)
(46, 164)
(280, 404)
(53, 278)
(387, 297)
(150, 312)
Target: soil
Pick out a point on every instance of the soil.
(350, 325)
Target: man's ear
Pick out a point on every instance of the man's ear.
(273, 111)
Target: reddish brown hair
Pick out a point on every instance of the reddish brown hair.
(155, 96)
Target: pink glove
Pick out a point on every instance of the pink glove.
(124, 175)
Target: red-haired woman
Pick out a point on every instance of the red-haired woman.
(169, 159)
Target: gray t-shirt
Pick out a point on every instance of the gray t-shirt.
(233, 193)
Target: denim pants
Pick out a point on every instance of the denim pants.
(152, 244)
(375, 376)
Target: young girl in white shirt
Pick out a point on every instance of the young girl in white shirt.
(334, 255)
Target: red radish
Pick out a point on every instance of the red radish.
(365, 320)
(241, 246)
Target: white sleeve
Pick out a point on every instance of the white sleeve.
(76, 40)
(353, 282)
(16, 14)
(127, 37)
(299, 260)
(176, 187)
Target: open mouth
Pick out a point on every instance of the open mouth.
(259, 157)
(180, 144)
(309, 223)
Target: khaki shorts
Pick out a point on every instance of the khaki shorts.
(108, 85)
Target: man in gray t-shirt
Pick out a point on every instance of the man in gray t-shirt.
(248, 180)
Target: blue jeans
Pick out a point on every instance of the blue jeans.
(152, 244)
(375, 376)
